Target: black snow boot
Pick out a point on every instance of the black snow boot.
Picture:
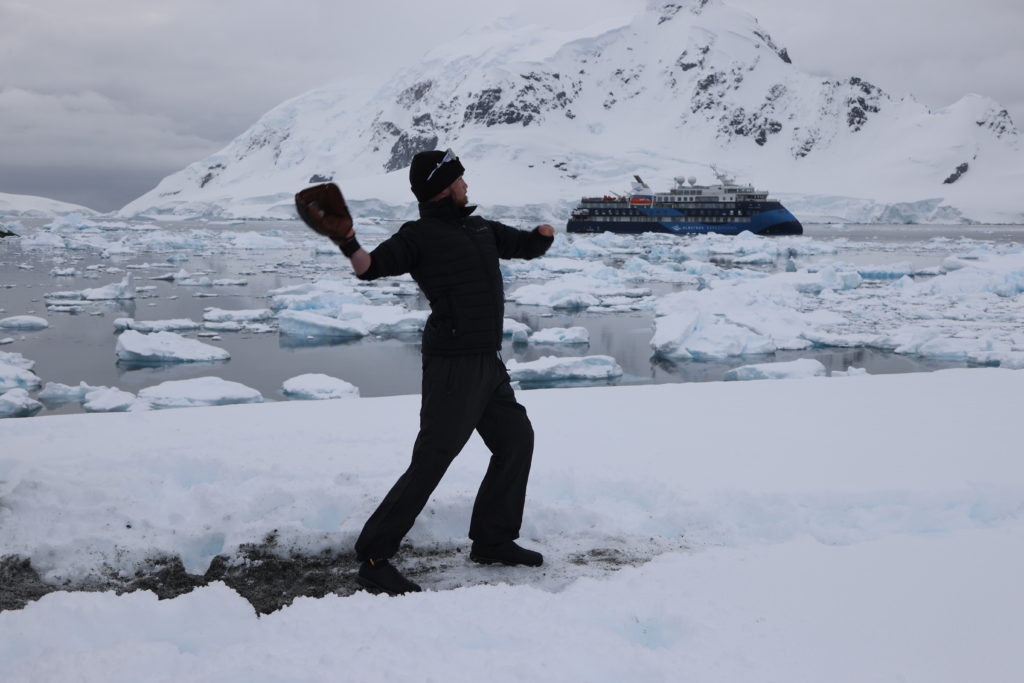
(508, 553)
(380, 576)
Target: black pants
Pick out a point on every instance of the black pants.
(460, 394)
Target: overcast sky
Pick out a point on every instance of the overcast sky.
(100, 99)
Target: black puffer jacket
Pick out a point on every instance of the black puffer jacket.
(453, 257)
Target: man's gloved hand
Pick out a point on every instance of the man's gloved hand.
(323, 209)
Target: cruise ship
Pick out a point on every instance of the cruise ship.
(686, 209)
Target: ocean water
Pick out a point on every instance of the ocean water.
(80, 346)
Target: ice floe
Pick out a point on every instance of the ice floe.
(23, 322)
(795, 369)
(553, 369)
(165, 347)
(561, 335)
(317, 386)
(200, 391)
(18, 403)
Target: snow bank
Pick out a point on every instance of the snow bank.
(672, 553)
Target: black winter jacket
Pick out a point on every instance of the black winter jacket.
(453, 257)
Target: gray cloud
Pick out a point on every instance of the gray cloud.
(100, 100)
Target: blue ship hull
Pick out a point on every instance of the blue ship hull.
(773, 222)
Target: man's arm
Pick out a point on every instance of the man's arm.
(323, 209)
(526, 244)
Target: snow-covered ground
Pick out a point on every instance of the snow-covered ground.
(820, 529)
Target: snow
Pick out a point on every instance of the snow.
(165, 347)
(797, 369)
(538, 127)
(31, 206)
(23, 322)
(317, 386)
(554, 369)
(809, 530)
(200, 391)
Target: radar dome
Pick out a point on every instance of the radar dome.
(692, 180)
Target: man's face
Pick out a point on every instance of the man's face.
(459, 192)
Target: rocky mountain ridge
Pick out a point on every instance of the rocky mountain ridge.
(540, 119)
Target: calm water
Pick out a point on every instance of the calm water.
(80, 347)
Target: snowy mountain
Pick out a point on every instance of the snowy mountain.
(540, 118)
(29, 206)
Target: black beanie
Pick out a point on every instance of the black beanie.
(441, 173)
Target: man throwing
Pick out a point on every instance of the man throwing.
(453, 257)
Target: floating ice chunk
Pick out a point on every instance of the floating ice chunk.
(561, 335)
(576, 291)
(195, 281)
(519, 332)
(386, 320)
(64, 272)
(219, 315)
(147, 326)
(23, 322)
(110, 400)
(17, 403)
(230, 282)
(55, 393)
(6, 340)
(309, 324)
(315, 386)
(323, 295)
(165, 347)
(553, 369)
(227, 326)
(17, 360)
(171, 277)
(891, 271)
(14, 377)
(850, 372)
(796, 369)
(250, 240)
(114, 291)
(201, 391)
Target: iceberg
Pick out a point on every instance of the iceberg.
(23, 322)
(554, 369)
(17, 403)
(796, 369)
(165, 347)
(201, 391)
(17, 360)
(315, 386)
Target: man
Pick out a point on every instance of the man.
(453, 257)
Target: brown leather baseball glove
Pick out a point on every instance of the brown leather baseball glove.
(323, 209)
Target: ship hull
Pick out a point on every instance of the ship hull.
(774, 222)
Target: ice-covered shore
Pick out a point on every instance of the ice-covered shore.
(864, 529)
